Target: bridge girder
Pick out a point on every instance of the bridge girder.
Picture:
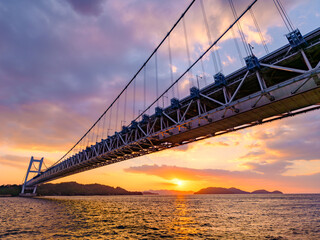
(287, 82)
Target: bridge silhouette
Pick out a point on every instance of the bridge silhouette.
(280, 84)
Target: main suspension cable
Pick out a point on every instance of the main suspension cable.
(201, 56)
(135, 75)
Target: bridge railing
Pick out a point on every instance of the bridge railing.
(184, 61)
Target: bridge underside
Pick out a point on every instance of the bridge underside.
(287, 83)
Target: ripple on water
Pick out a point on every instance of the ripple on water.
(155, 217)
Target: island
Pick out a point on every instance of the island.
(74, 189)
(219, 190)
(68, 189)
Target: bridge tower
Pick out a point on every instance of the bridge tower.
(34, 167)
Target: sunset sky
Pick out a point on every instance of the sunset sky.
(62, 62)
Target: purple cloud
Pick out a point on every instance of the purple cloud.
(85, 7)
(273, 168)
(59, 70)
(288, 140)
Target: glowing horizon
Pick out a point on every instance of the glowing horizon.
(62, 63)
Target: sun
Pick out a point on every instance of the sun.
(178, 182)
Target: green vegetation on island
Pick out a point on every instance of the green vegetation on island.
(10, 190)
(67, 189)
(73, 188)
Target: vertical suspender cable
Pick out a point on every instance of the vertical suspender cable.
(285, 15)
(259, 31)
(125, 108)
(87, 139)
(144, 87)
(80, 145)
(134, 99)
(117, 115)
(213, 57)
(157, 84)
(244, 41)
(98, 132)
(135, 75)
(92, 136)
(110, 120)
(103, 126)
(219, 59)
(187, 48)
(203, 73)
(281, 14)
(171, 70)
(237, 46)
(201, 56)
(170, 65)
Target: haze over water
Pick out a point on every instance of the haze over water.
(154, 217)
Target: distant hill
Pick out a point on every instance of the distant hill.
(73, 188)
(149, 193)
(10, 190)
(67, 189)
(219, 190)
(170, 192)
(262, 191)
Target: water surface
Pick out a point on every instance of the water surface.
(155, 217)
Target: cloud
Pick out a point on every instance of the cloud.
(63, 62)
(269, 168)
(42, 126)
(172, 172)
(249, 179)
(230, 60)
(217, 143)
(288, 140)
(89, 8)
(254, 154)
(13, 161)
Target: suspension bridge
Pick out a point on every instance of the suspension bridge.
(279, 84)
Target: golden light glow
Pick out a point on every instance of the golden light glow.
(178, 182)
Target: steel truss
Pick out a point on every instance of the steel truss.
(285, 83)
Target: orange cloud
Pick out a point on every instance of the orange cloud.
(40, 126)
(250, 179)
(13, 161)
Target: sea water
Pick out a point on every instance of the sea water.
(167, 217)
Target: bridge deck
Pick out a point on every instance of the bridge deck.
(284, 84)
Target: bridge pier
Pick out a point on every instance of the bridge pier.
(30, 191)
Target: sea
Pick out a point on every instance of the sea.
(162, 217)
